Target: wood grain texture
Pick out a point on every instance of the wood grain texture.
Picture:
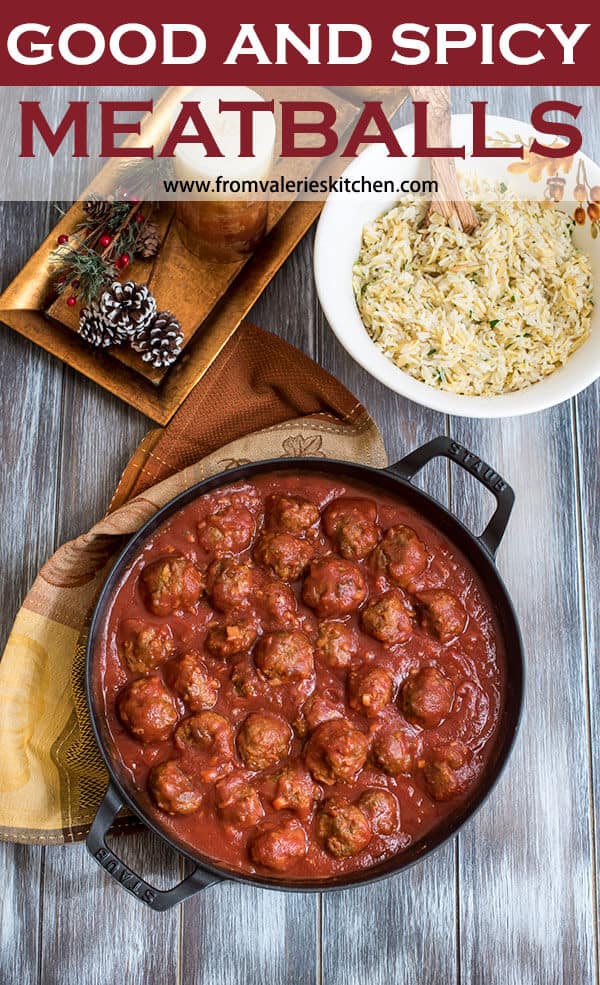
(514, 900)
(30, 427)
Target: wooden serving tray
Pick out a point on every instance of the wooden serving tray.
(210, 300)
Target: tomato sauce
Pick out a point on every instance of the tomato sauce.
(447, 735)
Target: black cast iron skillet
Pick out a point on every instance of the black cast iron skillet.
(480, 551)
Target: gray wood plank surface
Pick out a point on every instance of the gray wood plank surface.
(514, 899)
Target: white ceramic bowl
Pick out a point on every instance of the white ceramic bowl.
(337, 246)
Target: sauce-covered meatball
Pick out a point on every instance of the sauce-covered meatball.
(440, 772)
(401, 555)
(224, 641)
(285, 555)
(336, 751)
(370, 689)
(381, 807)
(391, 752)
(210, 736)
(285, 657)
(336, 644)
(231, 584)
(334, 587)
(237, 801)
(148, 649)
(342, 828)
(172, 790)
(278, 844)
(388, 617)
(190, 679)
(245, 682)
(352, 523)
(295, 790)
(442, 614)
(147, 708)
(276, 606)
(294, 514)
(263, 740)
(426, 697)
(315, 710)
(172, 584)
(229, 530)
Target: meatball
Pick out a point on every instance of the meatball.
(426, 697)
(342, 828)
(352, 523)
(232, 638)
(237, 801)
(294, 514)
(336, 644)
(442, 613)
(189, 678)
(391, 753)
(207, 733)
(285, 555)
(276, 606)
(278, 844)
(263, 740)
(315, 710)
(401, 556)
(381, 808)
(228, 531)
(334, 587)
(442, 780)
(388, 618)
(336, 751)
(149, 648)
(231, 584)
(285, 657)
(172, 789)
(295, 791)
(245, 681)
(370, 689)
(171, 584)
(148, 709)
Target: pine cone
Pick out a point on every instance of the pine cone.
(147, 243)
(130, 308)
(160, 343)
(96, 330)
(97, 210)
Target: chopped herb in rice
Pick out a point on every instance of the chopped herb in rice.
(499, 308)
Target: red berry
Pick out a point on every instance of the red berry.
(105, 240)
(118, 264)
(71, 301)
(62, 239)
(124, 259)
(139, 217)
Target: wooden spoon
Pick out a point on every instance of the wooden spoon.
(449, 200)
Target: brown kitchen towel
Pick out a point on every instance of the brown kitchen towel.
(261, 399)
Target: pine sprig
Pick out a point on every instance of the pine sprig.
(76, 262)
(144, 178)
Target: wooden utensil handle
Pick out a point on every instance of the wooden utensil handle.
(449, 199)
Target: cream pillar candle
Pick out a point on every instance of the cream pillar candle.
(216, 225)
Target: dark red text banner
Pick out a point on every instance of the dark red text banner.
(329, 43)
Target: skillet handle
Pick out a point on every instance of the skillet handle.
(157, 899)
(448, 448)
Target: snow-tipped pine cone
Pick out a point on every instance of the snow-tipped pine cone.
(161, 342)
(129, 307)
(96, 330)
